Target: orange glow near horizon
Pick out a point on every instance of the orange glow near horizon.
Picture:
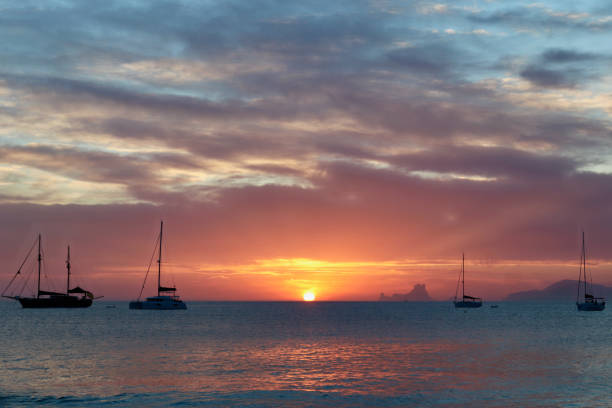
(289, 279)
(309, 296)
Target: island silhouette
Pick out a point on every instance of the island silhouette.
(417, 294)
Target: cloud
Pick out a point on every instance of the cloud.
(539, 16)
(433, 8)
(502, 219)
(560, 55)
(531, 213)
(430, 59)
(330, 131)
(548, 77)
(494, 162)
(563, 68)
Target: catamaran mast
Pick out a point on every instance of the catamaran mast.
(39, 259)
(68, 269)
(159, 260)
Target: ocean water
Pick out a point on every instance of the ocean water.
(296, 354)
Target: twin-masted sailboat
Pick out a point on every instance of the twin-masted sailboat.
(49, 299)
(587, 302)
(465, 301)
(166, 298)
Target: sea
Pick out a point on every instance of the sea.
(306, 354)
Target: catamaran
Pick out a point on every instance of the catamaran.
(166, 298)
(49, 299)
(588, 302)
(465, 301)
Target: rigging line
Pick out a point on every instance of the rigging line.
(458, 283)
(27, 280)
(149, 267)
(590, 275)
(10, 283)
(43, 263)
(19, 269)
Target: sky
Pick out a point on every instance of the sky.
(346, 147)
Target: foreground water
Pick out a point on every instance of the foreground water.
(264, 354)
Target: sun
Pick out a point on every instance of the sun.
(309, 296)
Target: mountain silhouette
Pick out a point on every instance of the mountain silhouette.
(564, 290)
(417, 294)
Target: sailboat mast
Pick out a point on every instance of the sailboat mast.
(159, 260)
(68, 269)
(39, 259)
(584, 265)
(463, 276)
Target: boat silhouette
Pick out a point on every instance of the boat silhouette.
(166, 298)
(588, 302)
(465, 301)
(50, 299)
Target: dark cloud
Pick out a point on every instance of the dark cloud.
(560, 55)
(423, 60)
(544, 17)
(318, 36)
(563, 68)
(501, 17)
(223, 145)
(408, 119)
(505, 163)
(67, 91)
(548, 78)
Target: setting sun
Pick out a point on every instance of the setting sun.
(309, 296)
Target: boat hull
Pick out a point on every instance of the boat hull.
(591, 306)
(158, 303)
(467, 305)
(54, 302)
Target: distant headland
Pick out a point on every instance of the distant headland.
(564, 290)
(417, 294)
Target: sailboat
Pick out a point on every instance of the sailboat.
(48, 299)
(465, 301)
(588, 302)
(166, 298)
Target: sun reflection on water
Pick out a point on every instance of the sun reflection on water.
(368, 350)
